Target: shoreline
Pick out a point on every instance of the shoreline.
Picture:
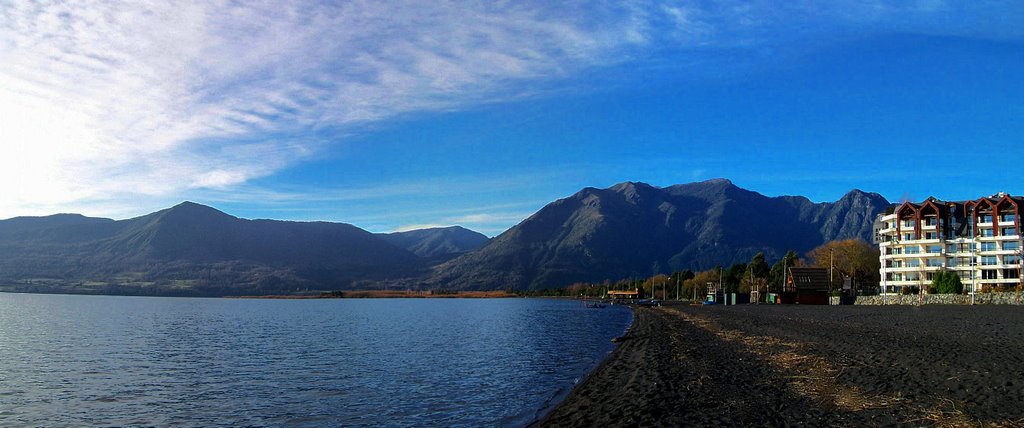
(783, 365)
(544, 413)
(381, 294)
(353, 294)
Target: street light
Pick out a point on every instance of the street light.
(1020, 267)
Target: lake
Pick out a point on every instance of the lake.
(107, 360)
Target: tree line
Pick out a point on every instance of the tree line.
(851, 258)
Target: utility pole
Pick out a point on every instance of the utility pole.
(785, 275)
(831, 267)
(720, 285)
(752, 280)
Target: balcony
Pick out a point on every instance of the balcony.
(903, 269)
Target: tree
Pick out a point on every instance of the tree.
(852, 257)
(946, 282)
(758, 267)
(698, 284)
(656, 284)
(777, 272)
(756, 274)
(677, 279)
(733, 277)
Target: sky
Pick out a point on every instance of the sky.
(408, 114)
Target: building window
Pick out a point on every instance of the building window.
(989, 274)
(931, 221)
(1008, 231)
(1008, 217)
(951, 262)
(908, 236)
(934, 262)
(951, 248)
(1011, 245)
(1011, 274)
(913, 263)
(913, 249)
(928, 276)
(964, 261)
(988, 246)
(985, 232)
(908, 223)
(897, 277)
(1011, 259)
(934, 249)
(985, 218)
(989, 261)
(931, 235)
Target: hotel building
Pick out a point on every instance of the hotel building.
(980, 240)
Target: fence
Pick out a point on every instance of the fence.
(937, 299)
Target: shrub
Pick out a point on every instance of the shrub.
(946, 282)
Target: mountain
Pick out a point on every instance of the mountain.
(191, 249)
(635, 229)
(437, 244)
(627, 230)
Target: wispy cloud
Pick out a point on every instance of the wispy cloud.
(104, 104)
(488, 220)
(114, 100)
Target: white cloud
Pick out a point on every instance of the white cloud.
(105, 101)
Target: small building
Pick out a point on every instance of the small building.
(805, 286)
(634, 294)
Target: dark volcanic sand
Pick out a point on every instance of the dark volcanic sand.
(809, 365)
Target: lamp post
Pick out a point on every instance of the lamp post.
(831, 267)
(1020, 267)
(974, 278)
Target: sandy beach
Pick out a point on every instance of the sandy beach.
(808, 365)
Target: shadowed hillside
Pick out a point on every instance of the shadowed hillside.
(634, 229)
(437, 244)
(192, 249)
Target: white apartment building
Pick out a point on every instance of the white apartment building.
(980, 240)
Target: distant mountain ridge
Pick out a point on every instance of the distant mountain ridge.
(627, 230)
(192, 249)
(636, 230)
(438, 243)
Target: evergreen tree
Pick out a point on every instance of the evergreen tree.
(946, 282)
(775, 275)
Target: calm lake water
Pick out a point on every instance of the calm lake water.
(97, 360)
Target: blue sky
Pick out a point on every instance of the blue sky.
(407, 115)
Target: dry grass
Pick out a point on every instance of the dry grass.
(817, 380)
(389, 294)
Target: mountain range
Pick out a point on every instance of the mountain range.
(191, 249)
(627, 230)
(637, 230)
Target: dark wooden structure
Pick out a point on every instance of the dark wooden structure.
(805, 286)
